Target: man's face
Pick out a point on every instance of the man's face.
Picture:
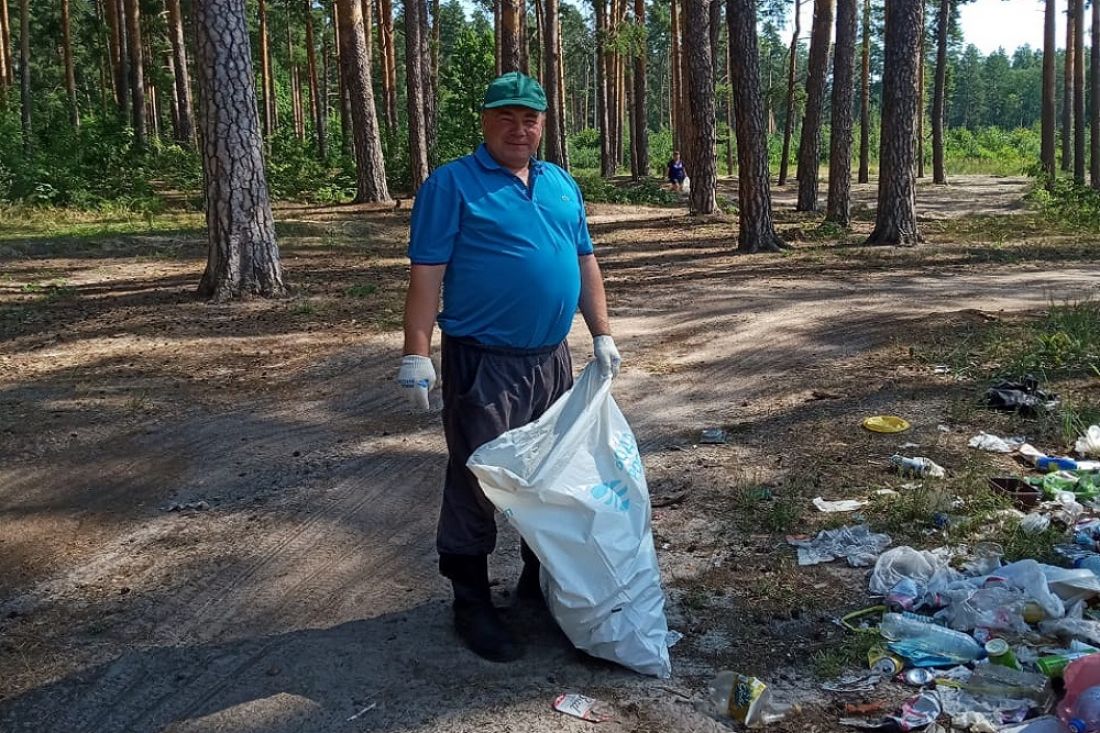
(512, 134)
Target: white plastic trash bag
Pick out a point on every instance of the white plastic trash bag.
(572, 484)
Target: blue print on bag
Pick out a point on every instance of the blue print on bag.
(627, 457)
(612, 493)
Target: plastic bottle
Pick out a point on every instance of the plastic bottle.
(1045, 724)
(1055, 463)
(918, 466)
(745, 699)
(1086, 711)
(919, 634)
(1090, 562)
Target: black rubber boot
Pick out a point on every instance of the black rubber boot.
(529, 587)
(476, 619)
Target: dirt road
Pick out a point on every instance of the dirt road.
(265, 563)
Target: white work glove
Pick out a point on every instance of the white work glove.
(416, 377)
(607, 355)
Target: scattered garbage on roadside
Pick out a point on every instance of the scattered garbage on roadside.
(917, 466)
(583, 707)
(839, 505)
(886, 424)
(1089, 443)
(857, 544)
(993, 444)
(745, 699)
(1023, 397)
(713, 436)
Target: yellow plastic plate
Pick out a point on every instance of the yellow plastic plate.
(885, 424)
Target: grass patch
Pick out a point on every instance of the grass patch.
(364, 290)
(847, 652)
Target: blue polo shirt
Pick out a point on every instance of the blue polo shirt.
(513, 278)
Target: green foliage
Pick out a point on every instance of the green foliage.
(1067, 204)
(990, 150)
(294, 172)
(647, 191)
(469, 70)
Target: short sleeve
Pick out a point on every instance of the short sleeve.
(434, 223)
(584, 238)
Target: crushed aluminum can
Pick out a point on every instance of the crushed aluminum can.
(919, 677)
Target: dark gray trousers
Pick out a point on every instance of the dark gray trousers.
(488, 391)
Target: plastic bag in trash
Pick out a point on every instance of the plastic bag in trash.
(1024, 397)
(572, 484)
(856, 543)
(1089, 443)
(993, 444)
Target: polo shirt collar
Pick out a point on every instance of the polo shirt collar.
(486, 159)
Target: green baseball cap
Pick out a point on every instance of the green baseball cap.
(515, 89)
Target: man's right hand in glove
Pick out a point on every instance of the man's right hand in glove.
(416, 378)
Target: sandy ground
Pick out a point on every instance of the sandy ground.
(301, 594)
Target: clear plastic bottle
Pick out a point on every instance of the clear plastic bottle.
(918, 466)
(1086, 711)
(922, 634)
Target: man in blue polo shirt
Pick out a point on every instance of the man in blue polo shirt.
(505, 237)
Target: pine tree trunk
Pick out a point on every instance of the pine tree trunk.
(792, 75)
(511, 36)
(920, 95)
(641, 131)
(431, 120)
(243, 258)
(267, 83)
(1050, 91)
(730, 123)
(173, 103)
(839, 205)
(123, 63)
(414, 78)
(114, 47)
(603, 97)
(6, 60)
(704, 171)
(865, 98)
(674, 73)
(185, 127)
(70, 70)
(1079, 150)
(1067, 96)
(551, 64)
(369, 164)
(896, 219)
(391, 63)
(137, 73)
(497, 34)
(316, 105)
(809, 148)
(756, 227)
(341, 87)
(686, 116)
(562, 129)
(1094, 102)
(939, 95)
(25, 73)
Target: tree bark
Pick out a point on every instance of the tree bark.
(702, 164)
(1079, 150)
(511, 36)
(920, 95)
(896, 219)
(865, 98)
(25, 73)
(1050, 91)
(1094, 80)
(185, 127)
(137, 74)
(6, 61)
(414, 79)
(756, 228)
(809, 148)
(369, 164)
(267, 83)
(431, 118)
(70, 70)
(792, 75)
(603, 95)
(316, 104)
(641, 127)
(730, 123)
(839, 205)
(1067, 96)
(243, 258)
(387, 64)
(939, 95)
(123, 63)
(675, 93)
(551, 64)
(561, 100)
